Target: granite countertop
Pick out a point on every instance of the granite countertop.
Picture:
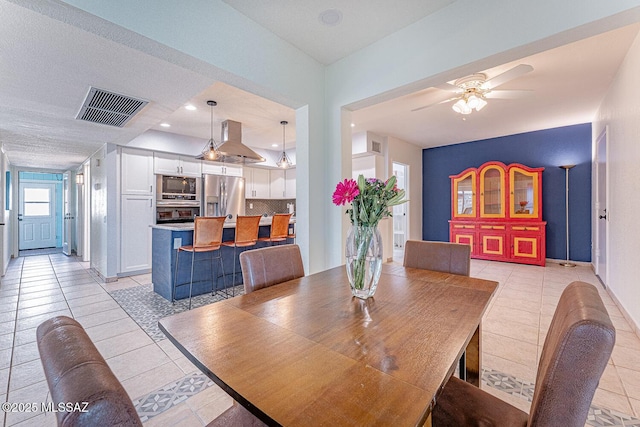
(187, 226)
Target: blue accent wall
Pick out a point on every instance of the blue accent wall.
(548, 148)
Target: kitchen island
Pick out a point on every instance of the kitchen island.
(167, 238)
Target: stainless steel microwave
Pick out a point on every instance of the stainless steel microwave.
(177, 189)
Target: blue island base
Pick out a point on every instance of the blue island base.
(207, 273)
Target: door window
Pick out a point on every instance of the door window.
(37, 202)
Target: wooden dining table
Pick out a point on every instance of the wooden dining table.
(305, 352)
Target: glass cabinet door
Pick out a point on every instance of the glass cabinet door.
(492, 192)
(464, 196)
(524, 193)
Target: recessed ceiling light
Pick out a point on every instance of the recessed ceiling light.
(353, 125)
(190, 107)
(274, 145)
(165, 125)
(330, 17)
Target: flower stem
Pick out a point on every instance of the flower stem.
(362, 239)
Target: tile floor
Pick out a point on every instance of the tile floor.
(168, 390)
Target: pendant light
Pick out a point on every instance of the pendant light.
(210, 151)
(283, 161)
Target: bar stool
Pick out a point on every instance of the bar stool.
(279, 229)
(207, 237)
(292, 235)
(247, 228)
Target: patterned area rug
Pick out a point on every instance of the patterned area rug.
(172, 394)
(146, 307)
(598, 416)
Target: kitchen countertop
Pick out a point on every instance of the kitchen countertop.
(187, 226)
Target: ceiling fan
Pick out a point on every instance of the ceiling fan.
(474, 90)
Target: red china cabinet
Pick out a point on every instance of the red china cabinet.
(497, 209)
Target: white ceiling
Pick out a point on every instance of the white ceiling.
(260, 117)
(363, 22)
(48, 66)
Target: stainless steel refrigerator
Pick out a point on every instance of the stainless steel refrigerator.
(222, 196)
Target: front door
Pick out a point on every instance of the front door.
(37, 215)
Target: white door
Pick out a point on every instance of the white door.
(68, 218)
(137, 219)
(37, 215)
(400, 231)
(602, 219)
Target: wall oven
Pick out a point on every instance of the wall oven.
(176, 214)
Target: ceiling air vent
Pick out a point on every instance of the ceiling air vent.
(376, 147)
(109, 108)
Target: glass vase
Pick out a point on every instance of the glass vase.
(364, 259)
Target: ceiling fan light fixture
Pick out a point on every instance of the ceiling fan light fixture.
(470, 100)
(458, 106)
(481, 103)
(462, 107)
(473, 101)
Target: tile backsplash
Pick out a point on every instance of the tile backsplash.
(262, 206)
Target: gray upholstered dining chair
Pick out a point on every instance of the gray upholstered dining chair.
(269, 266)
(438, 256)
(575, 353)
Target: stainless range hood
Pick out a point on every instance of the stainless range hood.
(232, 149)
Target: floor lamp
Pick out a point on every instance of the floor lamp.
(566, 168)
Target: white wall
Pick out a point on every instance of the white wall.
(6, 229)
(620, 110)
(364, 165)
(98, 191)
(105, 204)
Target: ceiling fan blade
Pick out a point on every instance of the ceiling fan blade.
(508, 94)
(435, 103)
(511, 74)
(449, 88)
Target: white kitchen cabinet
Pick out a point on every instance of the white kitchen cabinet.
(135, 233)
(221, 169)
(174, 164)
(277, 184)
(256, 183)
(136, 172)
(290, 184)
